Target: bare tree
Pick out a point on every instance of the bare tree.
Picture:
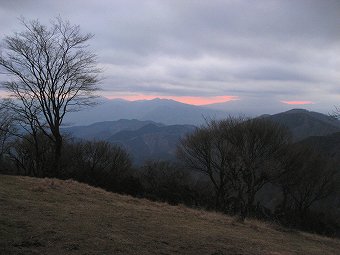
(308, 177)
(32, 155)
(97, 162)
(238, 155)
(50, 72)
(203, 151)
(7, 129)
(29, 137)
(258, 145)
(166, 181)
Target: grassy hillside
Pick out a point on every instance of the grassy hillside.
(45, 216)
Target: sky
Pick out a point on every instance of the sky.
(274, 53)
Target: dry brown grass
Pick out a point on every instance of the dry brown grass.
(48, 216)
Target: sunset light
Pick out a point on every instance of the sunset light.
(297, 102)
(169, 127)
(183, 99)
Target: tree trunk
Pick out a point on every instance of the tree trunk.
(242, 214)
(217, 200)
(250, 202)
(58, 143)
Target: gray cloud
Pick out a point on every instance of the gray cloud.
(271, 48)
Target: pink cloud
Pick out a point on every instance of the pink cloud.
(182, 99)
(297, 102)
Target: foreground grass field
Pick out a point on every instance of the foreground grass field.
(47, 216)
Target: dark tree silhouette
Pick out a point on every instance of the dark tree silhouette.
(239, 156)
(308, 177)
(7, 129)
(98, 163)
(204, 151)
(50, 72)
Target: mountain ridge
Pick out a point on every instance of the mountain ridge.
(141, 138)
(151, 142)
(303, 123)
(104, 129)
(167, 111)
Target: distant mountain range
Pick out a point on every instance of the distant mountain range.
(171, 112)
(146, 139)
(166, 111)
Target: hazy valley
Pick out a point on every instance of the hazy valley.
(151, 129)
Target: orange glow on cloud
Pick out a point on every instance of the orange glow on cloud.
(182, 99)
(297, 102)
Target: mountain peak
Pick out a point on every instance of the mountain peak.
(303, 123)
(297, 110)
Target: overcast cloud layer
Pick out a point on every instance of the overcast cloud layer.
(263, 51)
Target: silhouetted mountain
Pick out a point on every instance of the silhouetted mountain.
(104, 130)
(166, 111)
(151, 141)
(142, 139)
(303, 123)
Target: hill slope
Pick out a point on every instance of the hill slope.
(151, 142)
(44, 216)
(328, 145)
(303, 123)
(144, 140)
